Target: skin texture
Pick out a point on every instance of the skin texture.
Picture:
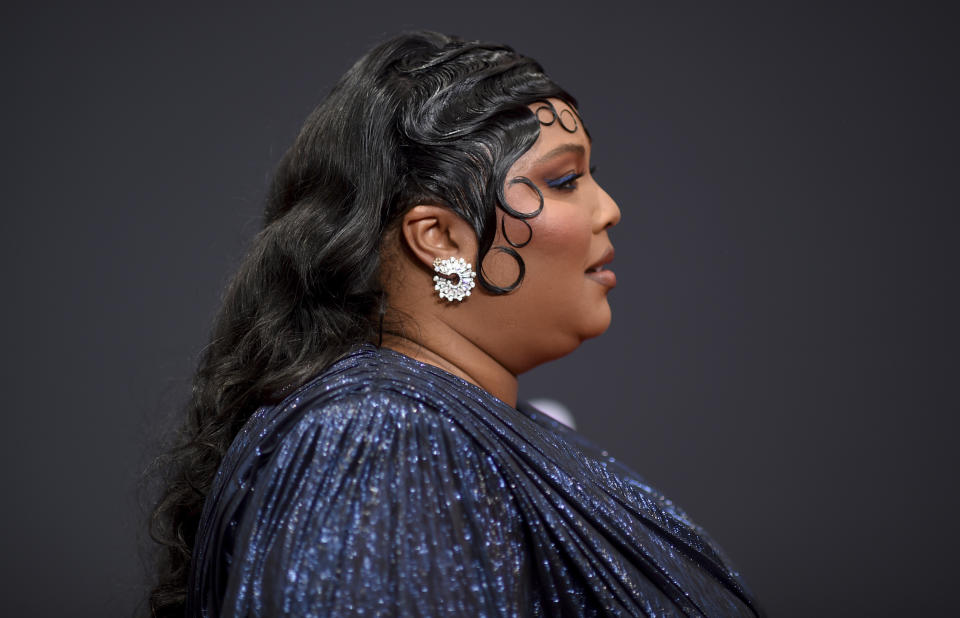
(490, 339)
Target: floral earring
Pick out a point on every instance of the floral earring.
(454, 278)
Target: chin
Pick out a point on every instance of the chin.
(561, 340)
(600, 324)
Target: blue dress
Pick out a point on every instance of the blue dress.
(388, 487)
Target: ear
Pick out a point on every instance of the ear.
(432, 232)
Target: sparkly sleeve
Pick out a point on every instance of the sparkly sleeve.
(376, 504)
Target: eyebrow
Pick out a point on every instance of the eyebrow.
(559, 150)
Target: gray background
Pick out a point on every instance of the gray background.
(782, 360)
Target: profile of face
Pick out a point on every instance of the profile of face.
(563, 297)
(563, 243)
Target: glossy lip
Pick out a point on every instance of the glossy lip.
(602, 275)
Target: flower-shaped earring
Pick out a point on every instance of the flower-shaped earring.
(454, 278)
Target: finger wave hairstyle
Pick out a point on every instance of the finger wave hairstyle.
(421, 118)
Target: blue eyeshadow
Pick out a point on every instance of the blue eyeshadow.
(559, 181)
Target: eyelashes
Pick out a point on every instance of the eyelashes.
(568, 182)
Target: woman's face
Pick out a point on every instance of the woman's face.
(563, 297)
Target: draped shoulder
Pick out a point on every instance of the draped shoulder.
(389, 487)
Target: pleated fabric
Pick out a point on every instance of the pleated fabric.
(387, 487)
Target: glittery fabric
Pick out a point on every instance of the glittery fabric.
(387, 487)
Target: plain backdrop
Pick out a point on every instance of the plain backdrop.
(782, 360)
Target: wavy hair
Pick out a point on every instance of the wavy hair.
(421, 118)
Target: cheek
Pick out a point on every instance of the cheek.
(561, 242)
(557, 306)
(559, 233)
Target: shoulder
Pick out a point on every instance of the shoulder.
(356, 475)
(374, 394)
(373, 427)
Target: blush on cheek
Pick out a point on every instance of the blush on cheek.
(563, 234)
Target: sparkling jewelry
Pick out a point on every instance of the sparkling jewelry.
(454, 278)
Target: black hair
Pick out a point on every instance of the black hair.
(421, 118)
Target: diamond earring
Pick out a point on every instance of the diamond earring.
(454, 278)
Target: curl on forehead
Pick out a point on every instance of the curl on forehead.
(566, 117)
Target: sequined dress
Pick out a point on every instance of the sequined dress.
(387, 487)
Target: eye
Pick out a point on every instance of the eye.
(567, 182)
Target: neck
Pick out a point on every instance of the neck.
(444, 347)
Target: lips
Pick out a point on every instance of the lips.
(601, 275)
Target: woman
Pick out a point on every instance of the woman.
(355, 444)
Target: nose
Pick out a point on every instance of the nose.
(608, 213)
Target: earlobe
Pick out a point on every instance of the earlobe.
(432, 232)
